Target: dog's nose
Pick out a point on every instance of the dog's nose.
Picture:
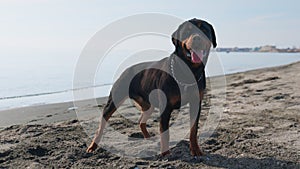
(196, 38)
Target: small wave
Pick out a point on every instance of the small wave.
(55, 92)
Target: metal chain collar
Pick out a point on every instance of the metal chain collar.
(185, 85)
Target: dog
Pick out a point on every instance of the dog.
(193, 40)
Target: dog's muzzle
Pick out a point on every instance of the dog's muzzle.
(197, 48)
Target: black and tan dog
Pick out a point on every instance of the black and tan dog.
(193, 40)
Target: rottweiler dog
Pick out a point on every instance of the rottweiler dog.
(180, 78)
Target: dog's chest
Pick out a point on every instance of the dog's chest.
(186, 93)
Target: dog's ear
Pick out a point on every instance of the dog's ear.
(175, 37)
(175, 42)
(203, 25)
(213, 36)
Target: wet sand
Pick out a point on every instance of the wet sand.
(259, 128)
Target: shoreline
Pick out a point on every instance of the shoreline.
(104, 97)
(33, 111)
(259, 128)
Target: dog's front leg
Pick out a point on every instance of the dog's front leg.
(195, 109)
(164, 131)
(143, 120)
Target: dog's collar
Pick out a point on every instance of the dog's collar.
(185, 85)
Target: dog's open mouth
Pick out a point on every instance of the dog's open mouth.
(197, 56)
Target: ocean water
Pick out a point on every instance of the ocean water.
(29, 81)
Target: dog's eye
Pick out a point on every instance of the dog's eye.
(185, 34)
(188, 54)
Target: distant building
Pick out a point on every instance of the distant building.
(235, 49)
(268, 48)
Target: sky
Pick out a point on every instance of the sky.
(60, 27)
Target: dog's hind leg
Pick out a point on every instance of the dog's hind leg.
(143, 120)
(109, 109)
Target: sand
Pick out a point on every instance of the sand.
(258, 128)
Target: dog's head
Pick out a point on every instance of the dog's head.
(193, 40)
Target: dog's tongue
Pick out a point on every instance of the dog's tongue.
(197, 56)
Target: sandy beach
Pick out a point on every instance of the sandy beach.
(259, 128)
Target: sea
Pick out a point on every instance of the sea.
(27, 81)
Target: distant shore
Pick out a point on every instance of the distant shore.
(264, 49)
(259, 128)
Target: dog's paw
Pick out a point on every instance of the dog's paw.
(92, 147)
(166, 153)
(196, 151)
(164, 156)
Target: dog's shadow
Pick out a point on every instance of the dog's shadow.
(220, 161)
(217, 160)
(181, 153)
